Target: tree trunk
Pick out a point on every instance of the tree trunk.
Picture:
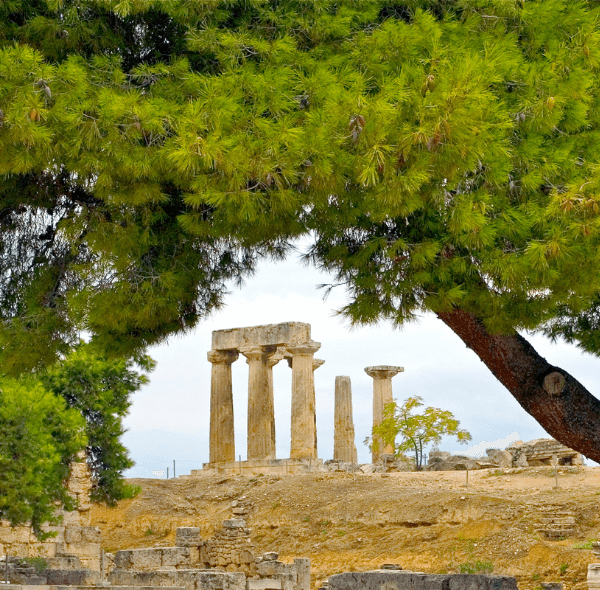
(559, 403)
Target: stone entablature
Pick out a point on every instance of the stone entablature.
(267, 335)
(263, 347)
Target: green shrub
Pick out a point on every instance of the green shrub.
(477, 567)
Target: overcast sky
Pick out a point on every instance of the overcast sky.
(169, 418)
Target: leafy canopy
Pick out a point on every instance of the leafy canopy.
(39, 435)
(416, 431)
(443, 153)
(100, 389)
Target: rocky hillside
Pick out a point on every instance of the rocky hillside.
(509, 521)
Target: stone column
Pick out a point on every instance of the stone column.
(382, 395)
(271, 401)
(303, 400)
(316, 364)
(222, 434)
(260, 407)
(344, 447)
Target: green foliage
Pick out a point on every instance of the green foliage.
(416, 431)
(100, 389)
(583, 544)
(39, 563)
(476, 567)
(442, 153)
(39, 435)
(563, 568)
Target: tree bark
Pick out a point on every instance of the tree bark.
(564, 408)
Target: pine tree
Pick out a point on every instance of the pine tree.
(443, 153)
(39, 436)
(100, 389)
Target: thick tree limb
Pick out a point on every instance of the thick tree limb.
(561, 405)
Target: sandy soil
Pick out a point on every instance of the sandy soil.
(430, 521)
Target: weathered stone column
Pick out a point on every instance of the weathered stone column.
(303, 400)
(222, 434)
(271, 401)
(260, 406)
(316, 364)
(344, 447)
(382, 395)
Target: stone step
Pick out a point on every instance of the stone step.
(570, 521)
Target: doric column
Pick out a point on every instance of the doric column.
(222, 434)
(271, 401)
(316, 364)
(344, 447)
(303, 400)
(260, 406)
(382, 395)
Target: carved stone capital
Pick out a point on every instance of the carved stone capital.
(303, 348)
(383, 371)
(258, 353)
(222, 357)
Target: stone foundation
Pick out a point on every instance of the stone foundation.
(260, 466)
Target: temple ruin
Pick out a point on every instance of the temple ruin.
(263, 347)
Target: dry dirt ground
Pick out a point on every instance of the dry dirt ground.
(429, 521)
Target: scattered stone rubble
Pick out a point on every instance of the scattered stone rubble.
(535, 453)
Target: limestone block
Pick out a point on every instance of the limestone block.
(64, 563)
(73, 534)
(82, 549)
(194, 555)
(146, 559)
(264, 584)
(234, 523)
(270, 556)
(403, 580)
(246, 556)
(173, 556)
(593, 576)
(220, 581)
(521, 461)
(302, 566)
(83, 577)
(267, 335)
(121, 577)
(123, 559)
(273, 568)
(90, 534)
(501, 458)
(187, 537)
(19, 534)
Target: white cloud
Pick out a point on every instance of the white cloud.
(478, 450)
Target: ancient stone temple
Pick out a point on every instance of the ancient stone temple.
(263, 347)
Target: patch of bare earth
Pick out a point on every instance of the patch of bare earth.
(429, 522)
